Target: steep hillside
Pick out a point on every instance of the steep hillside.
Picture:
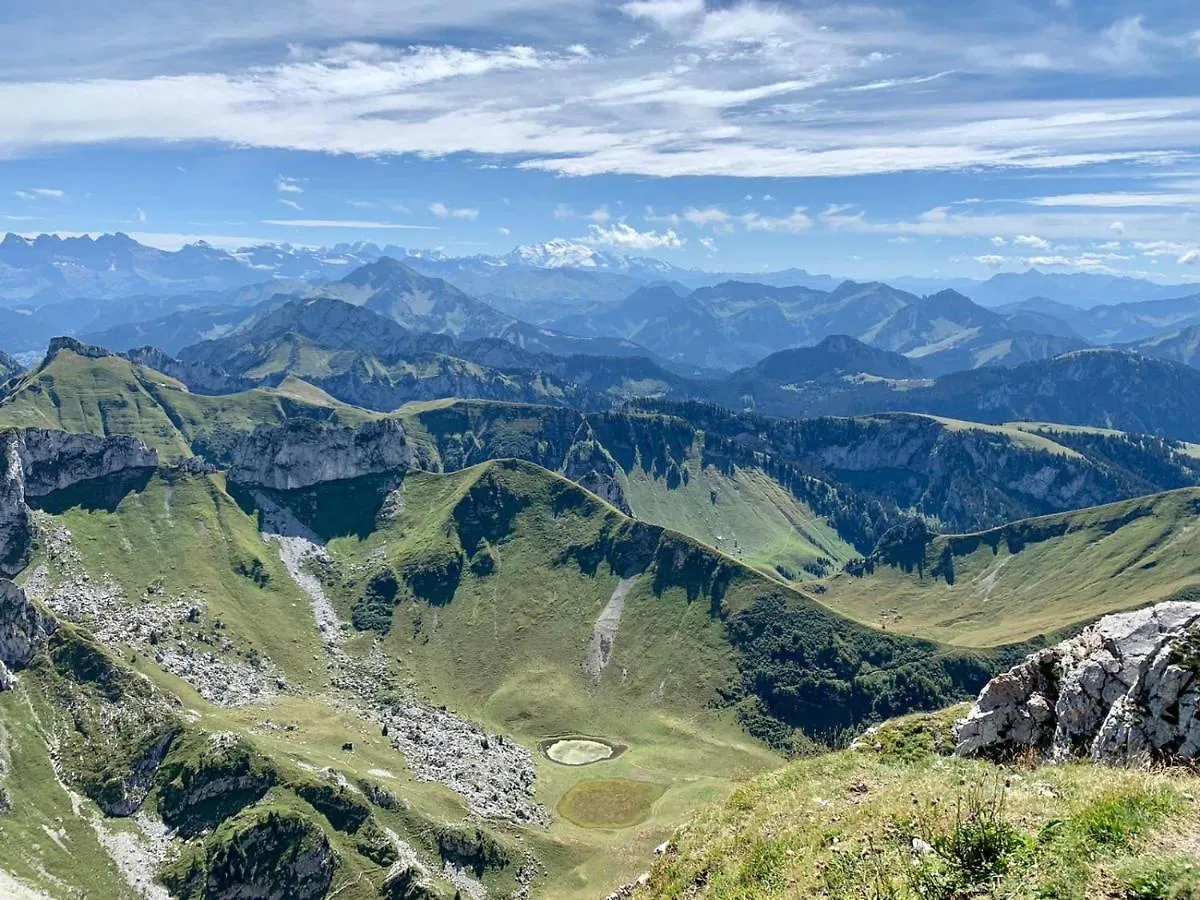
(364, 358)
(85, 389)
(387, 668)
(649, 465)
(1031, 577)
(1182, 346)
(946, 332)
(1104, 388)
(9, 367)
(865, 474)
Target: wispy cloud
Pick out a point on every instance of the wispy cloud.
(350, 224)
(41, 194)
(796, 223)
(442, 211)
(291, 204)
(286, 185)
(738, 89)
(887, 83)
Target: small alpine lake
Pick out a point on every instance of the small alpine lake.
(576, 750)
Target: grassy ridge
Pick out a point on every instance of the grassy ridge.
(1035, 576)
(844, 826)
(110, 395)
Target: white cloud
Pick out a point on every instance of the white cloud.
(291, 204)
(362, 204)
(600, 215)
(886, 83)
(1191, 258)
(745, 88)
(664, 13)
(287, 185)
(999, 241)
(41, 194)
(626, 237)
(504, 232)
(991, 260)
(141, 216)
(1032, 241)
(1117, 227)
(562, 212)
(797, 222)
(708, 244)
(708, 216)
(356, 224)
(442, 211)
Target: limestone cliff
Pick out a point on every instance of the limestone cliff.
(38, 461)
(23, 629)
(302, 453)
(1127, 688)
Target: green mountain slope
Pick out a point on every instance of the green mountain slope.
(526, 607)
(1031, 577)
(87, 390)
(652, 465)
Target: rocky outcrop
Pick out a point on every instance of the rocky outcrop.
(199, 377)
(23, 629)
(263, 854)
(38, 461)
(16, 528)
(55, 460)
(1127, 688)
(302, 453)
(592, 467)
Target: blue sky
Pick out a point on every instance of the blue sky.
(866, 140)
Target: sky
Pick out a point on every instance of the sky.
(931, 137)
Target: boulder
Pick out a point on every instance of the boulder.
(1126, 689)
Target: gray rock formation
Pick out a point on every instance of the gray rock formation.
(302, 453)
(38, 461)
(592, 467)
(22, 630)
(54, 460)
(1127, 688)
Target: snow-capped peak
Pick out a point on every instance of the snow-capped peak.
(559, 253)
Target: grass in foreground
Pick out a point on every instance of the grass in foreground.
(894, 821)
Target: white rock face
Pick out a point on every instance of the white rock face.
(22, 628)
(38, 461)
(1127, 688)
(303, 453)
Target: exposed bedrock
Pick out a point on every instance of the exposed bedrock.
(1126, 689)
(301, 453)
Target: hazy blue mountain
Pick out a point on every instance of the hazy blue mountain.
(1080, 289)
(1120, 322)
(835, 356)
(1182, 346)
(1102, 388)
